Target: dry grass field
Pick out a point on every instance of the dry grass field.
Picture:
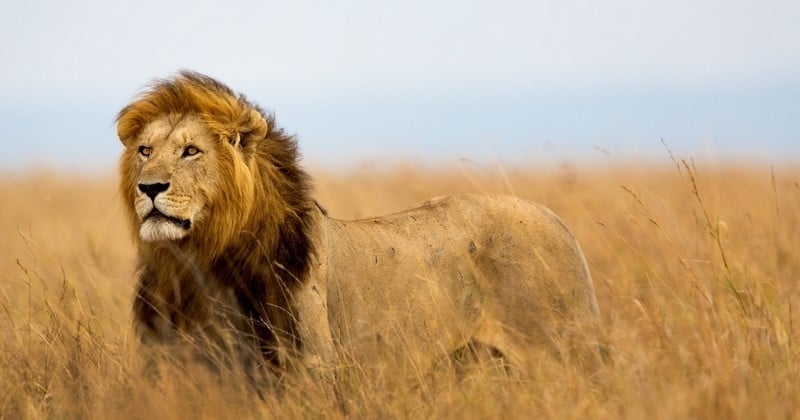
(696, 267)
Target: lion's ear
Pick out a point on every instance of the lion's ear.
(124, 140)
(126, 127)
(253, 130)
(258, 124)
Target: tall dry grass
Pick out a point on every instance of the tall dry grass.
(696, 269)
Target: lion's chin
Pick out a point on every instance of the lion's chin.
(161, 229)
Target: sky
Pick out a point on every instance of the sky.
(433, 81)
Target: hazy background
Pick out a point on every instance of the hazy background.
(517, 82)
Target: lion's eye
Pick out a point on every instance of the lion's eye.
(190, 151)
(145, 151)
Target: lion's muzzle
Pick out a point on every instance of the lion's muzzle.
(162, 215)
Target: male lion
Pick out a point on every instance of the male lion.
(234, 254)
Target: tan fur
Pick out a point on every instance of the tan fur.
(257, 265)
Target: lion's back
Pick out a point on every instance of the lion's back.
(502, 233)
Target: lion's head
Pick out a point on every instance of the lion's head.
(217, 201)
(202, 164)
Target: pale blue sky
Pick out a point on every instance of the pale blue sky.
(514, 81)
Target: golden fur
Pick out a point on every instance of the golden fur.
(237, 252)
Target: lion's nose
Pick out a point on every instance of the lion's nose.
(152, 190)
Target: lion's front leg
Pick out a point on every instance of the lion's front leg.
(317, 352)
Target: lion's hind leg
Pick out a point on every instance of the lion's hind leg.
(477, 356)
(493, 347)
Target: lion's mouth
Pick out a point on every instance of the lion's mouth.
(157, 215)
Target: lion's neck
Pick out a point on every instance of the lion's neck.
(180, 292)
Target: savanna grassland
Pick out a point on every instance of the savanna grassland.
(696, 268)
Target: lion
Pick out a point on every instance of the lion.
(234, 254)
